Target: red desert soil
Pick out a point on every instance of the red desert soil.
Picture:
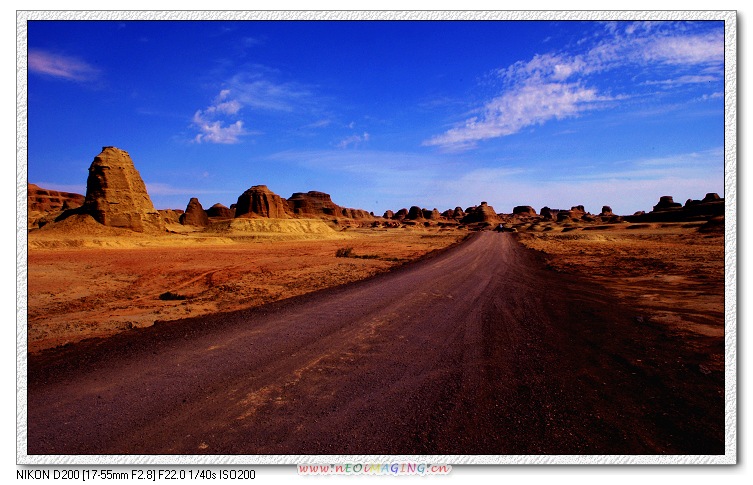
(481, 349)
(90, 291)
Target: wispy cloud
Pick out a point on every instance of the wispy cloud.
(353, 140)
(688, 79)
(560, 85)
(514, 110)
(222, 121)
(61, 66)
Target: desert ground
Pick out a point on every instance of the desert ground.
(83, 286)
(557, 339)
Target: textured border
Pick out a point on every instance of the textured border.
(730, 195)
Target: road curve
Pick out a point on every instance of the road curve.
(478, 350)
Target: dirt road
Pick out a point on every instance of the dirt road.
(477, 350)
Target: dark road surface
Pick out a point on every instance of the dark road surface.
(477, 350)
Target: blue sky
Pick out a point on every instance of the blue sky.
(385, 115)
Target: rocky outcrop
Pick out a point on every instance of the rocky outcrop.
(524, 210)
(606, 211)
(666, 202)
(401, 214)
(194, 214)
(565, 216)
(170, 216)
(45, 200)
(432, 215)
(388, 214)
(313, 204)
(355, 213)
(415, 213)
(480, 213)
(219, 211)
(116, 195)
(259, 201)
(548, 214)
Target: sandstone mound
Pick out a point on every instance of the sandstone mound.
(170, 216)
(220, 211)
(116, 195)
(194, 214)
(549, 214)
(275, 229)
(401, 214)
(259, 201)
(313, 204)
(82, 225)
(481, 213)
(388, 214)
(666, 202)
(432, 215)
(415, 213)
(524, 210)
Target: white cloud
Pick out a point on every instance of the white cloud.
(60, 66)
(559, 85)
(221, 122)
(686, 50)
(528, 105)
(214, 131)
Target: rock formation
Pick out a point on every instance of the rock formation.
(480, 213)
(116, 195)
(548, 214)
(170, 216)
(667, 210)
(401, 214)
(415, 213)
(666, 202)
(45, 200)
(194, 214)
(259, 201)
(524, 210)
(313, 204)
(432, 215)
(388, 214)
(220, 211)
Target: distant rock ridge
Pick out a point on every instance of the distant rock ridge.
(46, 200)
(667, 210)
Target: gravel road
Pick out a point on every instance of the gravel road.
(479, 349)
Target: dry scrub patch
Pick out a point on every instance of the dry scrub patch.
(671, 272)
(102, 286)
